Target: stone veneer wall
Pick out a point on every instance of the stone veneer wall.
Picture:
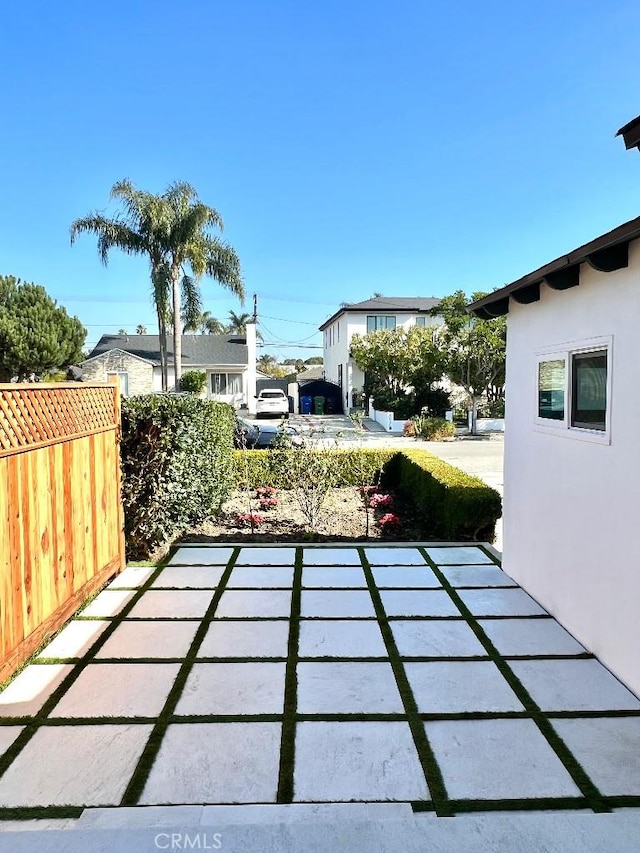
(115, 361)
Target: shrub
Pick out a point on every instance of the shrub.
(194, 381)
(256, 468)
(433, 429)
(177, 466)
(453, 505)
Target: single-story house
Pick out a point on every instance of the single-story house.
(228, 360)
(572, 446)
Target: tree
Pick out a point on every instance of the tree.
(396, 362)
(174, 231)
(36, 335)
(315, 359)
(238, 323)
(141, 330)
(205, 324)
(123, 333)
(474, 350)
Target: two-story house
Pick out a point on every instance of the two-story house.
(380, 312)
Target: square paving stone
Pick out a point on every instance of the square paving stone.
(331, 557)
(108, 603)
(340, 639)
(357, 761)
(394, 557)
(327, 576)
(500, 602)
(466, 554)
(246, 640)
(266, 557)
(201, 557)
(216, 763)
(607, 749)
(92, 766)
(149, 640)
(256, 576)
(265, 604)
(396, 577)
(172, 604)
(336, 603)
(445, 638)
(75, 639)
(189, 577)
(452, 687)
(28, 692)
(118, 690)
(404, 602)
(347, 688)
(477, 576)
(497, 759)
(530, 637)
(7, 736)
(573, 685)
(132, 576)
(233, 688)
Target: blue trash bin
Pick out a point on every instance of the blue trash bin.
(306, 404)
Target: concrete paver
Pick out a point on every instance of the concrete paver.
(347, 688)
(334, 638)
(245, 639)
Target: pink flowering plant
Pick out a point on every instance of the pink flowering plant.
(389, 523)
(268, 503)
(266, 492)
(248, 519)
(380, 500)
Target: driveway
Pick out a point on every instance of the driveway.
(331, 695)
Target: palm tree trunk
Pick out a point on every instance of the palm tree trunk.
(162, 337)
(177, 327)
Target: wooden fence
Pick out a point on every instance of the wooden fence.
(61, 519)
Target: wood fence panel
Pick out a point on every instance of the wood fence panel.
(61, 518)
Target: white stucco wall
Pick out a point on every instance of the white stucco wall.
(571, 506)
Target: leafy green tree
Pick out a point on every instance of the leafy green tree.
(36, 335)
(174, 231)
(397, 362)
(315, 359)
(474, 350)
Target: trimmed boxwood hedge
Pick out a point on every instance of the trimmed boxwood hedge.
(177, 466)
(347, 467)
(455, 505)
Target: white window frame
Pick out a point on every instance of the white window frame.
(123, 380)
(226, 374)
(421, 321)
(564, 352)
(386, 318)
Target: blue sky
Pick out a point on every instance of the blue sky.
(411, 148)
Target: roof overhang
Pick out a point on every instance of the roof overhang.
(631, 134)
(120, 350)
(606, 254)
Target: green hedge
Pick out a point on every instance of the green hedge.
(455, 505)
(346, 467)
(177, 466)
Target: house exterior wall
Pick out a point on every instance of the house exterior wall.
(337, 341)
(570, 504)
(140, 373)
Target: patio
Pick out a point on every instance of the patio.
(417, 681)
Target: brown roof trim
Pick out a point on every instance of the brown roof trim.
(631, 133)
(606, 253)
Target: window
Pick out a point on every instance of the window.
(123, 380)
(340, 375)
(374, 322)
(589, 390)
(573, 390)
(551, 382)
(421, 321)
(226, 383)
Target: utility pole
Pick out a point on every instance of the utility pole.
(255, 307)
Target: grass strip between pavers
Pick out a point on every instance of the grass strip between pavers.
(143, 768)
(288, 739)
(35, 721)
(594, 798)
(523, 804)
(426, 756)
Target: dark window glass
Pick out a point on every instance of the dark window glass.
(551, 384)
(375, 322)
(589, 390)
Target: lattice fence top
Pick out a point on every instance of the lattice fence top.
(39, 415)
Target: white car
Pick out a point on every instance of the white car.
(272, 401)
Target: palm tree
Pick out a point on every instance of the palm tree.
(237, 324)
(141, 330)
(205, 324)
(173, 231)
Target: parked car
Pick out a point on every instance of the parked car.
(261, 437)
(272, 401)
